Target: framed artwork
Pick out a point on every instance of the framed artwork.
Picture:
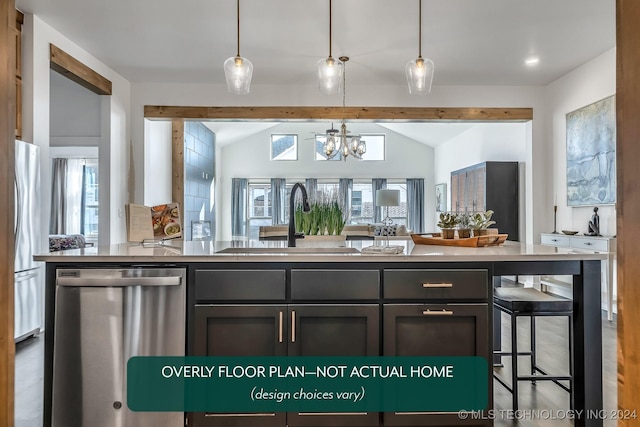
(591, 154)
(441, 197)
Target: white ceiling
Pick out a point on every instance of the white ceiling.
(472, 42)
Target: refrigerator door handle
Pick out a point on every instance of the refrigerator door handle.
(17, 222)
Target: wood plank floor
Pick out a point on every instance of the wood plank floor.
(552, 354)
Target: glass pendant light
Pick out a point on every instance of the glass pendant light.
(329, 70)
(238, 70)
(419, 71)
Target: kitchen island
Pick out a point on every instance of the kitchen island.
(259, 298)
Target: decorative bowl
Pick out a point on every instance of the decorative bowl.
(569, 232)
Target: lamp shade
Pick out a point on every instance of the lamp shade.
(238, 72)
(387, 197)
(329, 76)
(419, 75)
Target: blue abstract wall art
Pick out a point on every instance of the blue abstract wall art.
(591, 154)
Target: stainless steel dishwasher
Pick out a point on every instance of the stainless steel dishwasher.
(102, 318)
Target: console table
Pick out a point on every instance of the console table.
(601, 244)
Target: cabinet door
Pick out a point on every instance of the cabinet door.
(454, 192)
(480, 189)
(334, 330)
(240, 330)
(434, 330)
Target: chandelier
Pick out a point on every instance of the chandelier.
(341, 141)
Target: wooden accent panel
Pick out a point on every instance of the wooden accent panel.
(16, 32)
(177, 165)
(336, 113)
(628, 196)
(7, 156)
(75, 70)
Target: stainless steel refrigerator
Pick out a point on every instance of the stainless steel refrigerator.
(29, 289)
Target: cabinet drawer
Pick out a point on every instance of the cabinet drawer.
(590, 244)
(555, 240)
(436, 284)
(335, 284)
(238, 285)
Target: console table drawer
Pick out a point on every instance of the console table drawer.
(436, 284)
(590, 244)
(555, 240)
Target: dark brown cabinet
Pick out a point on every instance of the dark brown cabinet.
(294, 329)
(442, 312)
(489, 186)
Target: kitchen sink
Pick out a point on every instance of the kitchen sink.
(295, 250)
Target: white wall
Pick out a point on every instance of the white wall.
(74, 109)
(115, 110)
(404, 158)
(485, 142)
(394, 96)
(589, 83)
(158, 137)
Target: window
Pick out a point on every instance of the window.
(89, 212)
(361, 203)
(284, 147)
(259, 208)
(375, 147)
(398, 214)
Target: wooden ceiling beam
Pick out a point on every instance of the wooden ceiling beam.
(409, 114)
(75, 70)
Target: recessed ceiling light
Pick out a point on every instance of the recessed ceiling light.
(532, 61)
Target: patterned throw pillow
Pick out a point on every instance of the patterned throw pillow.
(385, 230)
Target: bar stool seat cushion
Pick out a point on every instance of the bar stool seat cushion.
(529, 300)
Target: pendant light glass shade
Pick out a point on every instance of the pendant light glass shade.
(238, 72)
(419, 75)
(329, 76)
(419, 72)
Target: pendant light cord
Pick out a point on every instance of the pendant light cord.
(329, 28)
(419, 28)
(238, 25)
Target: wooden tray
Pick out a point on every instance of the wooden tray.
(471, 242)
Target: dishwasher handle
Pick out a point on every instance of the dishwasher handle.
(119, 282)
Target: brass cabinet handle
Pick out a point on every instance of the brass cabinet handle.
(331, 413)
(437, 285)
(280, 326)
(293, 326)
(442, 312)
(270, 414)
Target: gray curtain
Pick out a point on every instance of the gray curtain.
(57, 222)
(278, 193)
(415, 204)
(344, 197)
(311, 184)
(238, 208)
(377, 184)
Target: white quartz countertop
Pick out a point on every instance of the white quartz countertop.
(177, 251)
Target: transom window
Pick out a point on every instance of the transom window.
(284, 147)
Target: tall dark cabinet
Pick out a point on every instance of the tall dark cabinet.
(489, 186)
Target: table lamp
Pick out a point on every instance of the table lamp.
(387, 198)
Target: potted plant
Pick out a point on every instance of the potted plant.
(480, 221)
(464, 225)
(447, 224)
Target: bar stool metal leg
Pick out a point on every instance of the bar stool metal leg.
(514, 361)
(533, 347)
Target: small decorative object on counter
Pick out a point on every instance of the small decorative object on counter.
(594, 224)
(464, 225)
(447, 223)
(480, 221)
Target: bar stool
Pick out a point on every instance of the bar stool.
(519, 302)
